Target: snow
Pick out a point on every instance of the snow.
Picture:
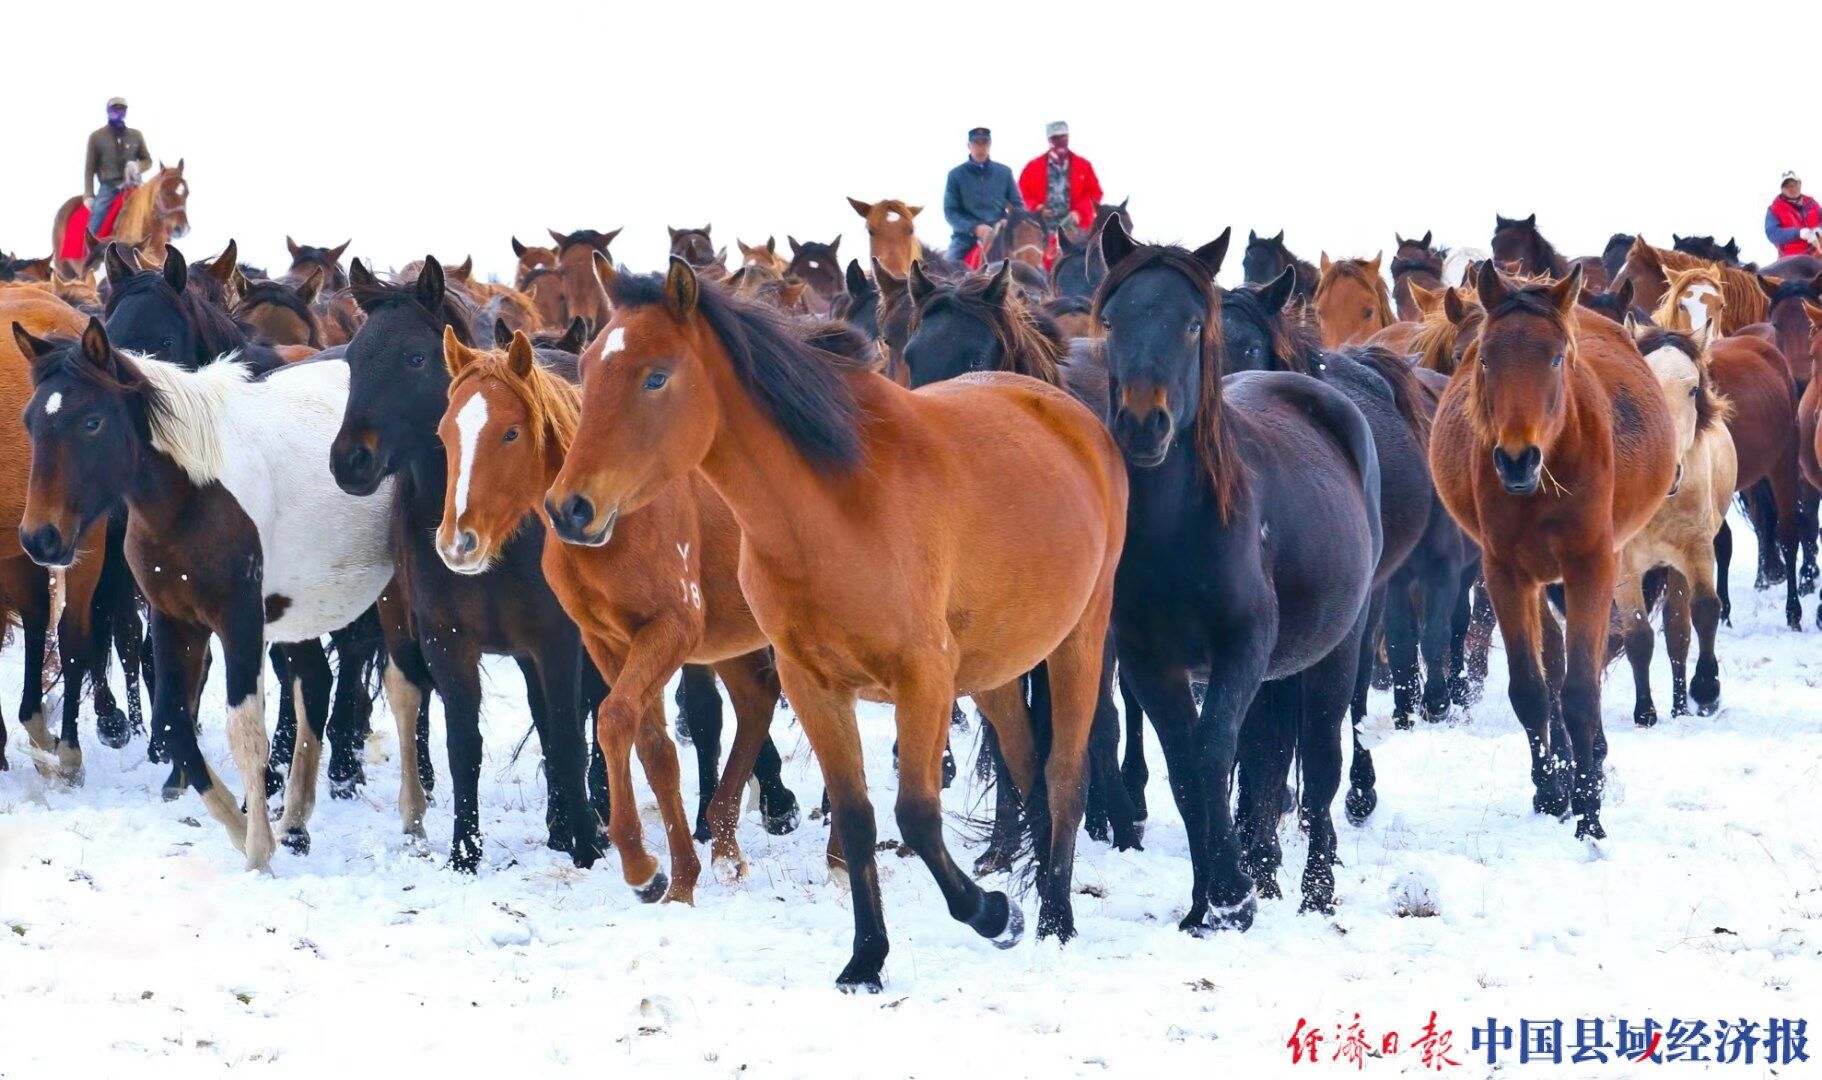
(131, 942)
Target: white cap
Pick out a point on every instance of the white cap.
(1054, 128)
(1789, 175)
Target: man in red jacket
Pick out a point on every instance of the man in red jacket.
(1793, 222)
(1062, 186)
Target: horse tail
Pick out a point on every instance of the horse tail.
(362, 645)
(1401, 377)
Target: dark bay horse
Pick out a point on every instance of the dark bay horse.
(163, 314)
(1414, 262)
(306, 259)
(1516, 240)
(398, 391)
(817, 265)
(1266, 595)
(1553, 447)
(1266, 257)
(694, 247)
(960, 477)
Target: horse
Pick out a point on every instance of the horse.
(575, 252)
(959, 477)
(1754, 376)
(1704, 247)
(818, 266)
(1351, 301)
(695, 247)
(1516, 240)
(306, 260)
(1267, 596)
(1076, 273)
(1613, 256)
(388, 434)
(1021, 236)
(276, 312)
(1552, 448)
(1615, 305)
(508, 428)
(1647, 268)
(229, 535)
(1681, 534)
(1414, 262)
(1267, 257)
(13, 268)
(154, 213)
(1809, 415)
(162, 314)
(571, 339)
(890, 235)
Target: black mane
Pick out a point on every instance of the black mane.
(215, 332)
(455, 311)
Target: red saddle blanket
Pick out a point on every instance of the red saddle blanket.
(75, 238)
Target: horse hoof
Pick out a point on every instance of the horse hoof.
(653, 891)
(729, 869)
(1646, 717)
(298, 840)
(344, 789)
(113, 730)
(702, 834)
(1360, 804)
(1589, 828)
(1236, 917)
(999, 921)
(1709, 707)
(781, 822)
(1552, 802)
(465, 856)
(995, 860)
(1129, 837)
(587, 852)
(1403, 722)
(1324, 905)
(856, 978)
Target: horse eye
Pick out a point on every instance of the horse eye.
(1693, 390)
(512, 435)
(656, 380)
(1557, 361)
(415, 359)
(91, 424)
(1195, 328)
(977, 363)
(165, 343)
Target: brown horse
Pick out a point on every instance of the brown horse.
(280, 313)
(156, 212)
(663, 593)
(765, 256)
(1352, 301)
(581, 296)
(1648, 269)
(1414, 262)
(961, 476)
(1552, 451)
(890, 235)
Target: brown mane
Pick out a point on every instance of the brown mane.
(1437, 335)
(1524, 296)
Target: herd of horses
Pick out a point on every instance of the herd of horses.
(1036, 487)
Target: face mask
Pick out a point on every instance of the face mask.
(117, 117)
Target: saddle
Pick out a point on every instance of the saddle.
(75, 232)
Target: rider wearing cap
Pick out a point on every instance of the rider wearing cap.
(116, 156)
(1061, 185)
(1794, 220)
(976, 196)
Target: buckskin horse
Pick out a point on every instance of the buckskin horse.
(1267, 596)
(1552, 448)
(961, 477)
(154, 213)
(662, 593)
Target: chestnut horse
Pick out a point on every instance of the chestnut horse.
(762, 255)
(1743, 300)
(1552, 451)
(1352, 301)
(1681, 534)
(581, 296)
(508, 427)
(156, 212)
(904, 569)
(890, 235)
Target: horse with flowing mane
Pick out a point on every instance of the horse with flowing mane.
(154, 213)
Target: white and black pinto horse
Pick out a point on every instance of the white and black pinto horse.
(235, 530)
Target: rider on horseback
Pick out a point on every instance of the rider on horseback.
(116, 156)
(976, 196)
(1062, 186)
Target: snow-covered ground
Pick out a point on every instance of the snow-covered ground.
(132, 942)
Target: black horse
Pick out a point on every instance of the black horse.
(1267, 594)
(1516, 240)
(163, 314)
(1266, 257)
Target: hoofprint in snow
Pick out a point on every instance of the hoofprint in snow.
(131, 941)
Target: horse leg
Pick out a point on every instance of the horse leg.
(309, 686)
(1785, 496)
(181, 652)
(1133, 769)
(1440, 581)
(284, 736)
(558, 667)
(1012, 753)
(77, 658)
(1516, 600)
(407, 654)
(1325, 689)
(1264, 755)
(754, 687)
(556, 829)
(638, 675)
(658, 756)
(1401, 634)
(1479, 642)
(1762, 511)
(1704, 611)
(1163, 691)
(1676, 638)
(1123, 819)
(351, 709)
(1362, 796)
(594, 692)
(405, 684)
(1588, 583)
(827, 717)
(455, 669)
(1075, 669)
(1807, 498)
(242, 645)
(1234, 680)
(698, 697)
(1723, 557)
(1635, 627)
(35, 621)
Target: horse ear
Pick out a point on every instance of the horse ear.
(227, 264)
(914, 210)
(32, 348)
(555, 236)
(795, 246)
(1426, 238)
(518, 248)
(176, 271)
(604, 271)
(502, 334)
(861, 208)
(1277, 292)
(1813, 311)
(672, 231)
(464, 271)
(519, 356)
(608, 236)
(118, 267)
(1000, 286)
(1211, 254)
(1251, 237)
(1453, 309)
(1115, 244)
(1491, 285)
(430, 283)
(771, 245)
(1768, 285)
(95, 346)
(681, 289)
(856, 278)
(575, 336)
(1324, 264)
(920, 285)
(1397, 239)
(358, 274)
(1279, 239)
(1531, 222)
(834, 246)
(311, 288)
(336, 252)
(178, 170)
(1374, 265)
(291, 246)
(1564, 292)
(456, 356)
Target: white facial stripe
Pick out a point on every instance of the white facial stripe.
(469, 423)
(616, 341)
(53, 403)
(1696, 306)
(892, 215)
(814, 264)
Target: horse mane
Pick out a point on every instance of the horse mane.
(801, 388)
(1218, 460)
(1712, 409)
(1675, 281)
(135, 215)
(216, 332)
(1434, 343)
(1401, 378)
(1362, 272)
(1031, 343)
(553, 403)
(456, 310)
(277, 294)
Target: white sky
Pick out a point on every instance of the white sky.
(450, 132)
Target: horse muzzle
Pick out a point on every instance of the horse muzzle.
(357, 468)
(1519, 475)
(49, 546)
(573, 520)
(1145, 440)
(463, 553)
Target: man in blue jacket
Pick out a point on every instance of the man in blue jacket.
(977, 195)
